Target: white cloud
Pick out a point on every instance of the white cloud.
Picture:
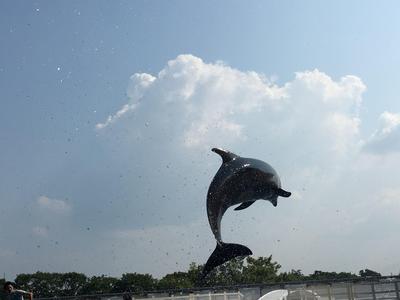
(137, 86)
(307, 128)
(387, 138)
(205, 104)
(111, 119)
(53, 205)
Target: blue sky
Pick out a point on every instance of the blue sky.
(309, 87)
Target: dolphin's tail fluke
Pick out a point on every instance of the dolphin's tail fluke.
(223, 253)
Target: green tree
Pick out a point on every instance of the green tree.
(135, 282)
(194, 273)
(99, 285)
(293, 275)
(230, 273)
(176, 280)
(72, 283)
(40, 283)
(321, 275)
(241, 271)
(260, 270)
(44, 284)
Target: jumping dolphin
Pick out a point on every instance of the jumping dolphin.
(238, 180)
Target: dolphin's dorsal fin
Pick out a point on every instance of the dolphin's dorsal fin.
(225, 155)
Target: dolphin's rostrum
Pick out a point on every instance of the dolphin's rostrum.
(241, 181)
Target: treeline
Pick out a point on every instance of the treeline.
(238, 271)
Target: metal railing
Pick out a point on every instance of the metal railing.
(378, 288)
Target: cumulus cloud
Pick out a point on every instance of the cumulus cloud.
(111, 119)
(205, 104)
(53, 205)
(387, 138)
(308, 128)
(138, 85)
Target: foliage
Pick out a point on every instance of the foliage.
(260, 270)
(237, 271)
(320, 275)
(99, 285)
(72, 283)
(48, 284)
(176, 280)
(293, 275)
(244, 271)
(229, 273)
(135, 283)
(194, 272)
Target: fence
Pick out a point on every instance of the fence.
(367, 290)
(201, 295)
(384, 288)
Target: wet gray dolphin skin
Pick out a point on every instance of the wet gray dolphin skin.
(241, 181)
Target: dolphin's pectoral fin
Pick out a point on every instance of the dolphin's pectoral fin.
(244, 205)
(283, 193)
(223, 253)
(225, 155)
